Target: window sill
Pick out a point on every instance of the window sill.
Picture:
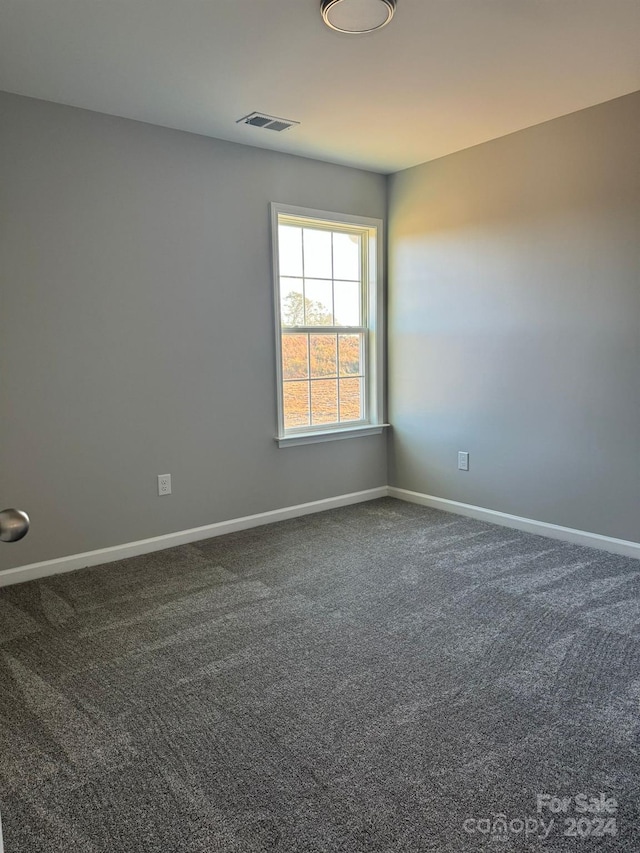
(330, 435)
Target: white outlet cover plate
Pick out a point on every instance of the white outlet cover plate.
(164, 484)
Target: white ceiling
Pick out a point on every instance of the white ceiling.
(444, 75)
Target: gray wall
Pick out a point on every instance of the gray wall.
(136, 330)
(514, 329)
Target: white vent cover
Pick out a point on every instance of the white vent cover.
(267, 122)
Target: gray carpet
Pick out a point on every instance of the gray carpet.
(373, 679)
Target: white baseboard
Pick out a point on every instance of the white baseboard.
(530, 525)
(182, 537)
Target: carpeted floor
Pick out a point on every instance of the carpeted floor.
(374, 679)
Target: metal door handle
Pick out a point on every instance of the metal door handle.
(14, 524)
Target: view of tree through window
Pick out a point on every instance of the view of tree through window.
(322, 331)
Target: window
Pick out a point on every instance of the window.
(327, 274)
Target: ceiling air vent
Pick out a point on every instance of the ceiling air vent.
(267, 122)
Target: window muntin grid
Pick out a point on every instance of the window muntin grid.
(323, 292)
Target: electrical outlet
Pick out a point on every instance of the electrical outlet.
(164, 484)
(463, 460)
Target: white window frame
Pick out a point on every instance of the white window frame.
(373, 317)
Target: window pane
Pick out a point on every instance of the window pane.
(324, 401)
(296, 404)
(349, 355)
(326, 284)
(346, 296)
(295, 357)
(318, 303)
(323, 350)
(317, 253)
(350, 399)
(346, 256)
(291, 302)
(290, 250)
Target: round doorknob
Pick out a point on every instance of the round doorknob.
(14, 524)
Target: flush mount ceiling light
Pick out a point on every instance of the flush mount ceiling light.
(357, 16)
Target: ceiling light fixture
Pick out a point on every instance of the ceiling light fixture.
(357, 16)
